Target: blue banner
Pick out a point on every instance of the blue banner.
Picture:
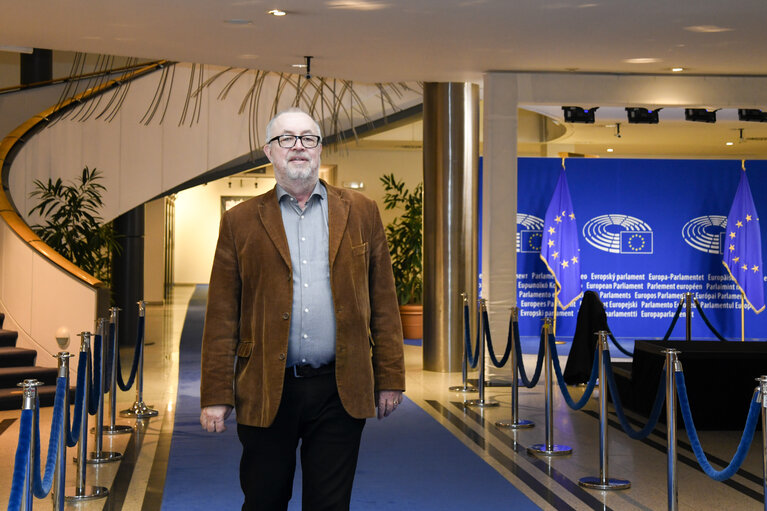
(649, 231)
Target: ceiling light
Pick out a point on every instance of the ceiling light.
(707, 29)
(578, 114)
(677, 69)
(17, 49)
(700, 115)
(751, 115)
(609, 149)
(298, 65)
(642, 115)
(237, 21)
(729, 143)
(247, 56)
(642, 60)
(357, 5)
(276, 12)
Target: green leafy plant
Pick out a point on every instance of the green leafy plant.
(405, 237)
(72, 225)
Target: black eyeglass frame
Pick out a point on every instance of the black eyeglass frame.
(295, 139)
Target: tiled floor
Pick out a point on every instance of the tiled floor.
(136, 482)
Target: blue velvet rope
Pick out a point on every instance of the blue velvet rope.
(136, 354)
(73, 434)
(21, 464)
(660, 398)
(745, 439)
(95, 388)
(707, 322)
(620, 348)
(491, 352)
(471, 361)
(520, 364)
(673, 321)
(42, 487)
(563, 386)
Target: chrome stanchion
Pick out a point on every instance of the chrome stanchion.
(60, 472)
(672, 366)
(81, 491)
(763, 396)
(549, 448)
(29, 402)
(514, 423)
(99, 455)
(113, 428)
(140, 410)
(481, 401)
(464, 387)
(688, 319)
(603, 482)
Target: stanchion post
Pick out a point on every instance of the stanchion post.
(514, 423)
(549, 448)
(688, 319)
(60, 473)
(481, 401)
(99, 455)
(140, 410)
(464, 387)
(29, 402)
(763, 397)
(672, 366)
(603, 482)
(81, 491)
(113, 428)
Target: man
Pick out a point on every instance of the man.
(302, 331)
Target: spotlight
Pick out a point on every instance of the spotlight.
(751, 115)
(578, 114)
(642, 115)
(699, 115)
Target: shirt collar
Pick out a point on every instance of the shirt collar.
(319, 190)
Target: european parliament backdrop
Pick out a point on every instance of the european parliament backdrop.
(649, 231)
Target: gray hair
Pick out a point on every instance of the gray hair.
(292, 110)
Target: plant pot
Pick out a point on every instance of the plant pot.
(412, 321)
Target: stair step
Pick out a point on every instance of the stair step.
(11, 399)
(8, 337)
(10, 376)
(17, 357)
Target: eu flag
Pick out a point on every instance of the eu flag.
(743, 246)
(559, 246)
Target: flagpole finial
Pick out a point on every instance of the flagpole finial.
(743, 165)
(563, 162)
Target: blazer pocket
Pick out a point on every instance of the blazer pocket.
(244, 349)
(360, 249)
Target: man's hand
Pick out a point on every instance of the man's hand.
(212, 418)
(387, 401)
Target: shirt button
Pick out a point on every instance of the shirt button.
(305, 336)
(306, 285)
(304, 261)
(303, 360)
(303, 238)
(285, 315)
(282, 356)
(306, 310)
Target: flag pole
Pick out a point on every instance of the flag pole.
(742, 317)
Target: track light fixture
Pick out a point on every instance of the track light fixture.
(638, 115)
(699, 115)
(578, 114)
(751, 115)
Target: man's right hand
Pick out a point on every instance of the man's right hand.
(212, 418)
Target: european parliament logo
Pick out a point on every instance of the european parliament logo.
(619, 234)
(529, 233)
(706, 233)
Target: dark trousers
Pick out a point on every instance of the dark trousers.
(311, 411)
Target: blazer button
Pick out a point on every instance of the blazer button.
(285, 315)
(282, 356)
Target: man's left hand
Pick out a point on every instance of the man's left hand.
(387, 401)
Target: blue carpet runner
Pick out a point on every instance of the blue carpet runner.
(408, 461)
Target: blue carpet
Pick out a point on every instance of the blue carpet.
(408, 461)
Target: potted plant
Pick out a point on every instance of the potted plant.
(71, 224)
(405, 237)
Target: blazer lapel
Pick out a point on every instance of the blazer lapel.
(338, 215)
(271, 217)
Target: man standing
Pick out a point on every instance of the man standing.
(302, 331)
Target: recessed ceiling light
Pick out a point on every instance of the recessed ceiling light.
(357, 5)
(298, 65)
(276, 12)
(729, 143)
(707, 29)
(642, 60)
(677, 69)
(247, 56)
(609, 149)
(237, 21)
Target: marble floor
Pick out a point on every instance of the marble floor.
(136, 482)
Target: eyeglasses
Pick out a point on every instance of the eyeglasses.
(288, 141)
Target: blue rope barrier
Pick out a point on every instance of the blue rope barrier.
(620, 348)
(660, 398)
(21, 463)
(745, 439)
(79, 398)
(538, 364)
(136, 354)
(471, 361)
(110, 346)
(491, 352)
(42, 487)
(93, 399)
(707, 322)
(563, 386)
(673, 321)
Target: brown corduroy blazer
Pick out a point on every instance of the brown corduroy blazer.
(247, 322)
